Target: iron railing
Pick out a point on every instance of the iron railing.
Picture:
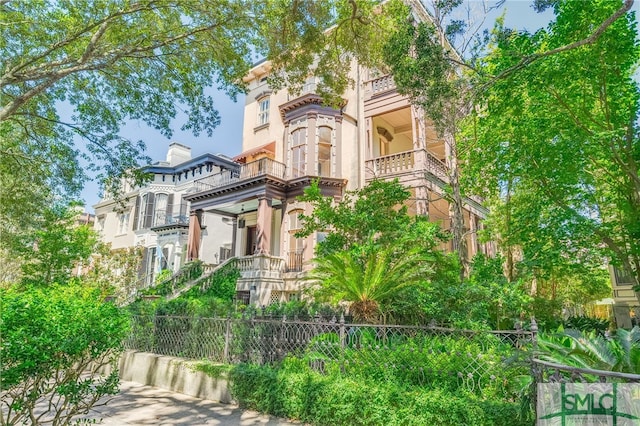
(549, 372)
(295, 261)
(421, 353)
(164, 219)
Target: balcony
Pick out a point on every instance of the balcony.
(307, 88)
(245, 172)
(163, 221)
(260, 266)
(162, 218)
(405, 163)
(295, 261)
(380, 85)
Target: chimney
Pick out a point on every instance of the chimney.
(178, 154)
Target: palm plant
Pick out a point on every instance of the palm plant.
(620, 352)
(367, 276)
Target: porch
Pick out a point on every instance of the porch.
(263, 278)
(244, 173)
(407, 162)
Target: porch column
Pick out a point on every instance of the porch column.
(263, 228)
(234, 236)
(312, 145)
(473, 229)
(195, 231)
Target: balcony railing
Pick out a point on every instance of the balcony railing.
(164, 219)
(382, 84)
(294, 261)
(261, 167)
(309, 87)
(405, 162)
(391, 164)
(260, 266)
(436, 167)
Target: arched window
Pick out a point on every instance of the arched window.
(325, 151)
(298, 152)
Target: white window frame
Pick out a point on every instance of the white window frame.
(263, 110)
(160, 209)
(123, 223)
(330, 144)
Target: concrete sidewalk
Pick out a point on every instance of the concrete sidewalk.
(137, 404)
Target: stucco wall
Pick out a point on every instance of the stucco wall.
(173, 374)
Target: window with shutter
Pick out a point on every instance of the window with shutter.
(160, 211)
(148, 211)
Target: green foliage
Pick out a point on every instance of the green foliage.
(368, 276)
(587, 324)
(168, 283)
(298, 309)
(51, 253)
(211, 369)
(474, 363)
(548, 313)
(163, 276)
(54, 338)
(116, 272)
(213, 296)
(486, 300)
(116, 60)
(294, 390)
(423, 69)
(556, 138)
(620, 352)
(373, 249)
(375, 211)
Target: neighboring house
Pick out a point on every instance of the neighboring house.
(157, 217)
(626, 307)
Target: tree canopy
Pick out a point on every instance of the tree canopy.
(543, 125)
(373, 249)
(557, 139)
(112, 61)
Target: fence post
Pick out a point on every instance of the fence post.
(342, 333)
(343, 338)
(534, 369)
(534, 335)
(227, 340)
(280, 349)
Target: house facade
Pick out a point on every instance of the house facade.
(290, 140)
(626, 308)
(157, 218)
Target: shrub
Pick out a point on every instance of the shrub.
(585, 323)
(54, 340)
(293, 390)
(213, 296)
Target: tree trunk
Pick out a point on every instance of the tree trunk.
(456, 213)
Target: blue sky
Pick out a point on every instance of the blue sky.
(227, 138)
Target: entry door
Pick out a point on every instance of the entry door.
(250, 248)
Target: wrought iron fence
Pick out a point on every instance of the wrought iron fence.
(419, 354)
(548, 372)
